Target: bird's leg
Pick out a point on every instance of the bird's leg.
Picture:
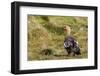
(68, 51)
(72, 54)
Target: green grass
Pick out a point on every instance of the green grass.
(46, 33)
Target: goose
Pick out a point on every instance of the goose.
(70, 43)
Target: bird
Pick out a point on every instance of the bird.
(70, 43)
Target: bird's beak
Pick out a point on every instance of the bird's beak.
(65, 29)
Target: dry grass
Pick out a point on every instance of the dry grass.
(46, 33)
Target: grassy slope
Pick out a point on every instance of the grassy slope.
(46, 32)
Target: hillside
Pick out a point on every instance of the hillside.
(45, 33)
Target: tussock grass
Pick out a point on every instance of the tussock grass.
(46, 36)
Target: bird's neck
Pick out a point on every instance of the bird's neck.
(68, 32)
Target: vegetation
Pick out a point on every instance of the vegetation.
(46, 36)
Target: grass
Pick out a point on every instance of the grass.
(46, 36)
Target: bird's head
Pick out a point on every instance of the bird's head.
(67, 28)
